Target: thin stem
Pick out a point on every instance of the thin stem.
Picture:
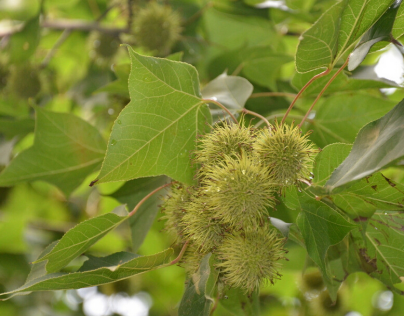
(275, 116)
(323, 90)
(176, 260)
(55, 47)
(257, 115)
(147, 197)
(222, 107)
(238, 69)
(214, 305)
(272, 94)
(322, 74)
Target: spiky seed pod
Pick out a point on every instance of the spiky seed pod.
(191, 259)
(174, 208)
(312, 281)
(239, 191)
(247, 260)
(287, 152)
(24, 81)
(226, 139)
(201, 226)
(322, 305)
(156, 27)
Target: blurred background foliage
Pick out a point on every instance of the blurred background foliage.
(65, 56)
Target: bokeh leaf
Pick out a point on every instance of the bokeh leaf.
(378, 144)
(97, 271)
(65, 151)
(237, 303)
(199, 293)
(81, 237)
(336, 31)
(155, 133)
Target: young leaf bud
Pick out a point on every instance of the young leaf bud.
(239, 191)
(156, 27)
(287, 152)
(248, 259)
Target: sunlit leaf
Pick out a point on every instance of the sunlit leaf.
(156, 132)
(65, 151)
(81, 237)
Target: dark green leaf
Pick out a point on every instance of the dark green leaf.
(231, 91)
(118, 266)
(65, 151)
(335, 123)
(16, 127)
(81, 237)
(199, 293)
(24, 43)
(378, 144)
(156, 132)
(380, 31)
(131, 193)
(336, 31)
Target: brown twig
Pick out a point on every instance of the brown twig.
(78, 25)
(272, 94)
(176, 260)
(322, 74)
(147, 197)
(222, 107)
(257, 115)
(323, 90)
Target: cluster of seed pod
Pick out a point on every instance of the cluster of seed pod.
(241, 170)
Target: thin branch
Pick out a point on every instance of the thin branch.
(147, 197)
(323, 90)
(222, 107)
(176, 260)
(55, 47)
(322, 74)
(257, 115)
(272, 94)
(78, 25)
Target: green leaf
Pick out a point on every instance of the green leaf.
(238, 303)
(65, 151)
(24, 43)
(16, 127)
(261, 65)
(378, 145)
(97, 271)
(81, 237)
(381, 31)
(120, 85)
(131, 193)
(156, 132)
(198, 296)
(385, 246)
(231, 91)
(333, 35)
(321, 227)
(335, 123)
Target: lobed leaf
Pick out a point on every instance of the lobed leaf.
(156, 132)
(81, 237)
(66, 150)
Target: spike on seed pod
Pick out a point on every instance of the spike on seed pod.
(247, 260)
(287, 152)
(156, 27)
(239, 190)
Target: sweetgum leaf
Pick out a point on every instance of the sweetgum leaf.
(336, 32)
(156, 132)
(199, 293)
(378, 145)
(65, 151)
(103, 270)
(81, 237)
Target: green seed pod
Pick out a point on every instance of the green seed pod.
(287, 152)
(156, 27)
(105, 45)
(247, 260)
(24, 81)
(227, 139)
(239, 191)
(200, 225)
(174, 207)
